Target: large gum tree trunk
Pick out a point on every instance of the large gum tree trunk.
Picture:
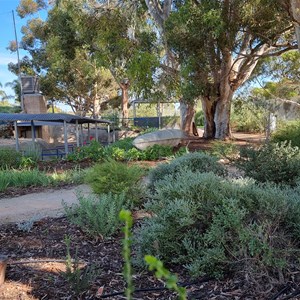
(187, 116)
(217, 109)
(222, 113)
(209, 109)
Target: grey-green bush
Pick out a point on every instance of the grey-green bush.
(116, 178)
(278, 163)
(213, 225)
(196, 162)
(97, 216)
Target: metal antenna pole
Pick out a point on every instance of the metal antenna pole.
(19, 66)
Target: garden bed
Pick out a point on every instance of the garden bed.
(46, 280)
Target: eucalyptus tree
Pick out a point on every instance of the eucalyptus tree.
(3, 95)
(67, 70)
(219, 44)
(16, 87)
(170, 65)
(293, 9)
(122, 40)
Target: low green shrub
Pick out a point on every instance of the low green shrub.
(213, 225)
(95, 151)
(125, 144)
(9, 158)
(116, 178)
(196, 161)
(278, 163)
(288, 131)
(97, 216)
(157, 152)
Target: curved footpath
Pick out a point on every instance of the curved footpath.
(33, 207)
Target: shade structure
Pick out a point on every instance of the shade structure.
(64, 119)
(5, 117)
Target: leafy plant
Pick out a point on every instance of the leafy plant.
(125, 144)
(196, 161)
(154, 264)
(157, 152)
(162, 273)
(288, 131)
(95, 151)
(278, 163)
(126, 217)
(116, 178)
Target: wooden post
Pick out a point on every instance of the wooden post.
(89, 133)
(17, 137)
(81, 133)
(66, 138)
(108, 134)
(32, 132)
(77, 134)
(3, 264)
(96, 128)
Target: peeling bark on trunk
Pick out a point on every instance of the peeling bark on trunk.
(125, 87)
(222, 118)
(209, 109)
(187, 114)
(223, 105)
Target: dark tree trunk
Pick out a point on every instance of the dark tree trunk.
(217, 108)
(209, 109)
(187, 115)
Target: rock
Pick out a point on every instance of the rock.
(166, 137)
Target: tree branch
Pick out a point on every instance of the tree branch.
(156, 12)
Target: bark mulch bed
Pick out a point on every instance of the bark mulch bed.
(45, 242)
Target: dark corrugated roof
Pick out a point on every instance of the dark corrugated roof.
(50, 118)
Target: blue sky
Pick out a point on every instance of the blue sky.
(7, 34)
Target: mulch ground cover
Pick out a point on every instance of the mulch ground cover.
(37, 266)
(43, 275)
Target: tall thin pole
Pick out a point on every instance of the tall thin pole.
(19, 66)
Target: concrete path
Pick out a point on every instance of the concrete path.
(32, 207)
